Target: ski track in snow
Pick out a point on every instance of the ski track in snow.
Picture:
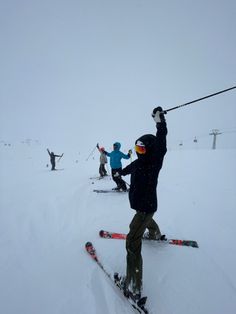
(103, 291)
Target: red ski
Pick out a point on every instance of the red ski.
(112, 235)
(137, 305)
(122, 236)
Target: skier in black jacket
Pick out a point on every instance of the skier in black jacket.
(53, 159)
(144, 172)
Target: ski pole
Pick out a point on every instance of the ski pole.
(191, 102)
(91, 153)
(60, 157)
(126, 182)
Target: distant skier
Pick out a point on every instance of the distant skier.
(144, 172)
(53, 159)
(103, 161)
(116, 166)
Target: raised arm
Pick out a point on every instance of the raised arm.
(126, 156)
(161, 133)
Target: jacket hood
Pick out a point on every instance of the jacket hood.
(149, 142)
(118, 146)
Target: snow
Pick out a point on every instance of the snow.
(47, 217)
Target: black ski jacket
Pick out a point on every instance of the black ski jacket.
(145, 170)
(52, 156)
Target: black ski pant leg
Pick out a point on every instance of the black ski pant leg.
(100, 170)
(115, 179)
(119, 182)
(103, 170)
(53, 165)
(134, 270)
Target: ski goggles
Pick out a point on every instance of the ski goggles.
(140, 148)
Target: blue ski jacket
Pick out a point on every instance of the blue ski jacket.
(116, 155)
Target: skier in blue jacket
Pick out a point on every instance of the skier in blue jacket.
(116, 166)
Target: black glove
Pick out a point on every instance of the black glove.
(158, 115)
(97, 146)
(130, 152)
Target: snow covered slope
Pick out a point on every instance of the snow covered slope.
(46, 218)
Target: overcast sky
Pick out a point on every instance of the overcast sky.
(78, 72)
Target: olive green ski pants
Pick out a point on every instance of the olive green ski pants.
(134, 271)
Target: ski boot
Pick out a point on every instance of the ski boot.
(156, 237)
